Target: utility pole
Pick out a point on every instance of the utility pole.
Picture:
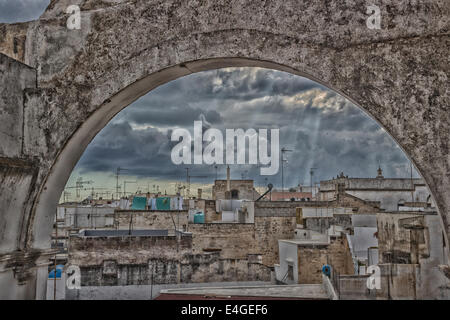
(65, 195)
(311, 173)
(151, 285)
(283, 151)
(188, 181)
(79, 185)
(94, 194)
(118, 170)
(117, 182)
(103, 193)
(125, 186)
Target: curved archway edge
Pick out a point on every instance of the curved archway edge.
(85, 77)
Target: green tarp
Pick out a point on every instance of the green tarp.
(163, 203)
(139, 203)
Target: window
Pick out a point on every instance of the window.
(290, 272)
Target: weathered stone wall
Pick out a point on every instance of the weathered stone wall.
(412, 282)
(85, 251)
(244, 187)
(151, 219)
(193, 269)
(360, 205)
(235, 240)
(211, 267)
(398, 281)
(18, 171)
(211, 214)
(282, 207)
(354, 287)
(312, 257)
(273, 221)
(12, 40)
(23, 272)
(343, 200)
(321, 224)
(398, 242)
(137, 260)
(125, 260)
(15, 78)
(268, 230)
(411, 249)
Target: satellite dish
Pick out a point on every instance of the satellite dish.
(326, 270)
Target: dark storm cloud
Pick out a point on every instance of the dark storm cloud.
(224, 86)
(144, 152)
(21, 10)
(323, 129)
(171, 116)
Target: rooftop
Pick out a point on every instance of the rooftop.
(431, 212)
(319, 242)
(124, 233)
(280, 195)
(302, 291)
(372, 183)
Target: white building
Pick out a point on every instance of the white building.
(392, 193)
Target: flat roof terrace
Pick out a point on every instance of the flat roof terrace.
(128, 233)
(277, 292)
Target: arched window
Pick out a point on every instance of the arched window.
(234, 194)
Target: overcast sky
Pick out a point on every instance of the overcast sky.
(21, 10)
(323, 129)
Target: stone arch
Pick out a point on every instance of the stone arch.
(84, 77)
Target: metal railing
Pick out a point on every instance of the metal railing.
(335, 281)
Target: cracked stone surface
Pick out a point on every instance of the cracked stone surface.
(398, 75)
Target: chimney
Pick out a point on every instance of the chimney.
(228, 190)
(228, 179)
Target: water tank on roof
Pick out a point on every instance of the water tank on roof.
(199, 217)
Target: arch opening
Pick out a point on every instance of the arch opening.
(113, 109)
(75, 146)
